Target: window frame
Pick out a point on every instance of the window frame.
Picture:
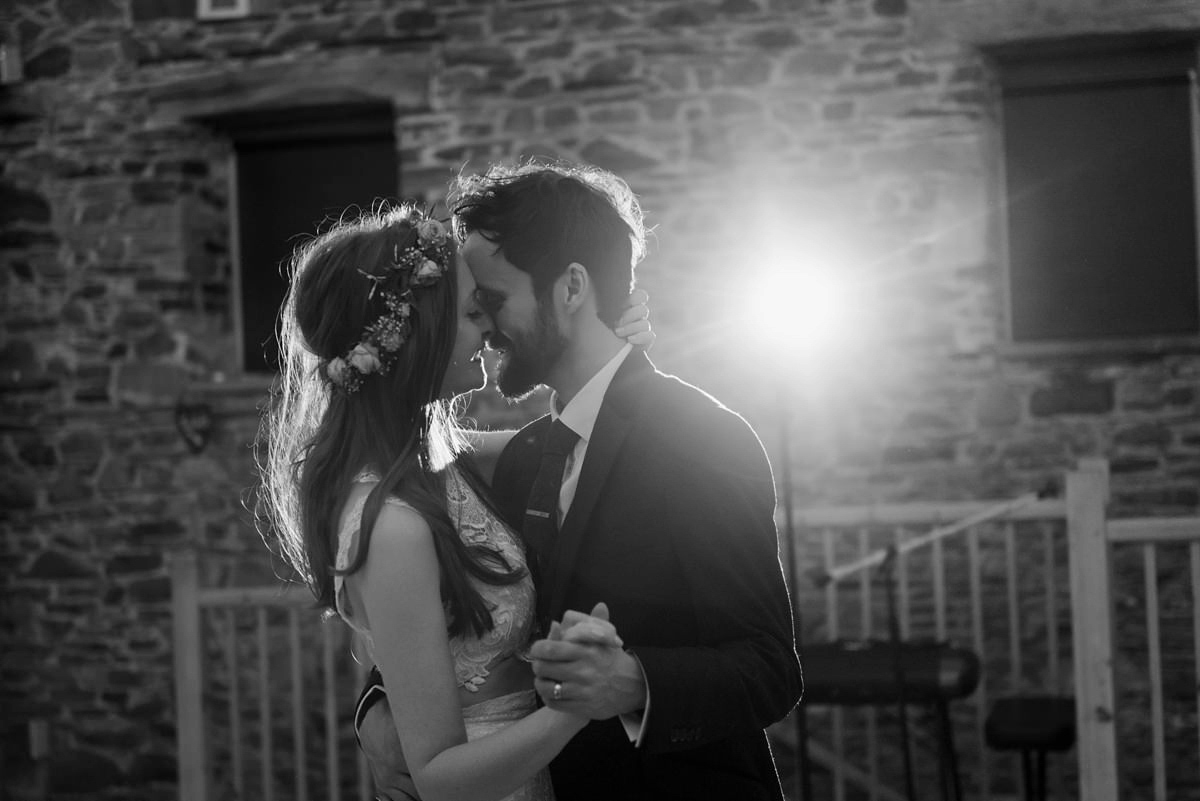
(1087, 60)
(249, 127)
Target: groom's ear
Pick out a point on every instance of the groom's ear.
(578, 284)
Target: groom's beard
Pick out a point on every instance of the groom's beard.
(530, 354)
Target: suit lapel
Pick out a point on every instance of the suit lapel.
(613, 424)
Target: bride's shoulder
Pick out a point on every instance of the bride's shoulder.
(396, 517)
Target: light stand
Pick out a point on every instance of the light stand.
(803, 769)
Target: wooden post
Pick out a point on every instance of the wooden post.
(1092, 630)
(189, 677)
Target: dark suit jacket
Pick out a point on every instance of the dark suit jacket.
(672, 525)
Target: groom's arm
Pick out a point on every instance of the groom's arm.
(741, 673)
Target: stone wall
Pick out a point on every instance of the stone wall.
(873, 120)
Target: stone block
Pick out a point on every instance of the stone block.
(82, 449)
(148, 382)
(1180, 396)
(608, 72)
(918, 452)
(615, 157)
(774, 39)
(816, 63)
(413, 22)
(319, 32)
(19, 205)
(71, 488)
(36, 452)
(19, 356)
(78, 771)
(1073, 397)
(150, 10)
(151, 590)
(728, 104)
(560, 116)
(53, 62)
(1127, 464)
(520, 120)
(152, 767)
(134, 563)
(23, 238)
(552, 50)
(739, 7)
(754, 72)
(536, 86)
(156, 532)
(890, 8)
(611, 19)
(57, 566)
(153, 192)
(681, 15)
(1153, 435)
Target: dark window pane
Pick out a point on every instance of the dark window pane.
(286, 190)
(1101, 210)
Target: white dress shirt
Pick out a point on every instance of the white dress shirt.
(580, 416)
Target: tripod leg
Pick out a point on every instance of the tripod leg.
(950, 754)
(909, 786)
(1027, 775)
(803, 765)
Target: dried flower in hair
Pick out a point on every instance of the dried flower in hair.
(431, 232)
(429, 272)
(337, 370)
(364, 358)
(420, 265)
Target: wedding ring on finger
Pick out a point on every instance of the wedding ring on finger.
(557, 693)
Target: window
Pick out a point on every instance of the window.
(1099, 150)
(297, 169)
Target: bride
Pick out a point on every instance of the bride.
(370, 491)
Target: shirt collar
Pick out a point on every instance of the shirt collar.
(581, 413)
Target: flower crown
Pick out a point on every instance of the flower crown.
(419, 265)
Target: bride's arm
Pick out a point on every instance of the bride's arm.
(400, 590)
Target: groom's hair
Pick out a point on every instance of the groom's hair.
(545, 216)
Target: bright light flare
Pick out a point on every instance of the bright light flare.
(809, 309)
(805, 306)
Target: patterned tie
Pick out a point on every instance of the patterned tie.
(541, 513)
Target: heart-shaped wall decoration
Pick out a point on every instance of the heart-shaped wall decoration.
(195, 423)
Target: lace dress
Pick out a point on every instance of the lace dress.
(512, 612)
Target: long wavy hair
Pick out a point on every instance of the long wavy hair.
(316, 437)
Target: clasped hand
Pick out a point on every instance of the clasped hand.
(583, 658)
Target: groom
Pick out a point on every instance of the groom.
(637, 490)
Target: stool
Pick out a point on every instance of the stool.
(1033, 725)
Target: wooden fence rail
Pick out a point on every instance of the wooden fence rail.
(200, 611)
